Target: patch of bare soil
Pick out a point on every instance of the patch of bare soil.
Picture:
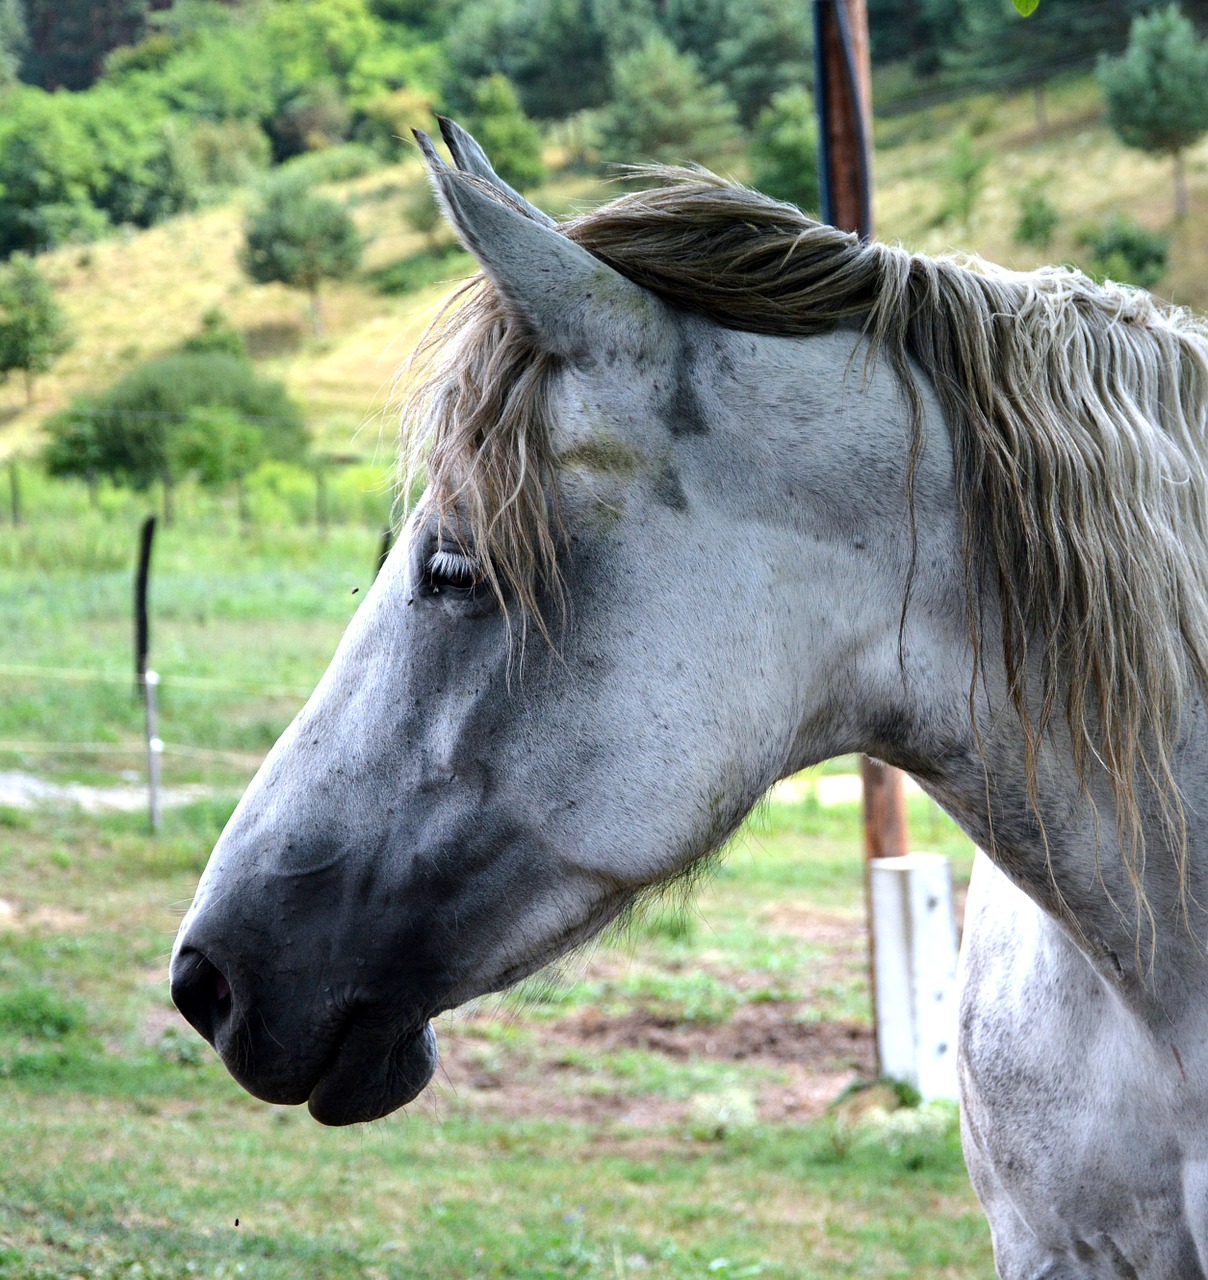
(15, 917)
(562, 1071)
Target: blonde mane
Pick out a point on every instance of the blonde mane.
(1078, 415)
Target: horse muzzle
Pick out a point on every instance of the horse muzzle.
(354, 1061)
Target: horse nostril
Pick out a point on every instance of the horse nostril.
(201, 992)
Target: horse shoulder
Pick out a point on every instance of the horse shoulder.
(1074, 1113)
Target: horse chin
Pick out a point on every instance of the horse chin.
(367, 1080)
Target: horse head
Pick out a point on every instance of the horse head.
(510, 746)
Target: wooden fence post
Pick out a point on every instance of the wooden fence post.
(14, 488)
(843, 85)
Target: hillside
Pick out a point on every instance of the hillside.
(136, 295)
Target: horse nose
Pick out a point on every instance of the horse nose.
(201, 992)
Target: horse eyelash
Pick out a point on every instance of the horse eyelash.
(453, 564)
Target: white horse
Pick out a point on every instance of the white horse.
(715, 493)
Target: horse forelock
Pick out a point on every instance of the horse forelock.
(1078, 415)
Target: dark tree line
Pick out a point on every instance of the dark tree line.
(987, 42)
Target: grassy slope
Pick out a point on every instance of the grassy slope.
(1087, 173)
(131, 297)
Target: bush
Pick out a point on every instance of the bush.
(505, 133)
(784, 150)
(144, 168)
(963, 178)
(1038, 217)
(228, 153)
(1124, 251)
(145, 427)
(48, 168)
(217, 333)
(335, 164)
(384, 123)
(312, 119)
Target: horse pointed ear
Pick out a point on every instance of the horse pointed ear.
(469, 157)
(568, 298)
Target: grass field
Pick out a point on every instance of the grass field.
(660, 1110)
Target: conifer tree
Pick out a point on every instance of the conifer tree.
(1157, 91)
(664, 110)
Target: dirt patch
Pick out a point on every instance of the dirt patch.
(768, 1033)
(15, 917)
(810, 924)
(563, 1069)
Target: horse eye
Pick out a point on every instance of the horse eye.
(453, 570)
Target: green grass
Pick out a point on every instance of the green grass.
(243, 623)
(126, 1151)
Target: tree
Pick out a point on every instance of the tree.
(13, 40)
(554, 52)
(784, 150)
(752, 48)
(300, 239)
(1124, 251)
(664, 110)
(1157, 91)
(33, 329)
(992, 45)
(506, 134)
(48, 168)
(69, 39)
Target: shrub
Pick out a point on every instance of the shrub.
(385, 121)
(48, 167)
(1124, 251)
(144, 168)
(313, 118)
(1038, 217)
(228, 153)
(217, 333)
(963, 178)
(144, 428)
(335, 164)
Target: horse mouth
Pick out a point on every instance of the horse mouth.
(367, 1078)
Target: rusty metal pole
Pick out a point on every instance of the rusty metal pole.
(844, 94)
(843, 86)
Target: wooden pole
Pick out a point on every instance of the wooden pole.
(844, 92)
(14, 488)
(843, 75)
(147, 681)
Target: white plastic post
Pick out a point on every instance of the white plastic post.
(155, 744)
(915, 971)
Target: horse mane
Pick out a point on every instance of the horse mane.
(1078, 414)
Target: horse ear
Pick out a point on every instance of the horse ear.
(569, 299)
(469, 157)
